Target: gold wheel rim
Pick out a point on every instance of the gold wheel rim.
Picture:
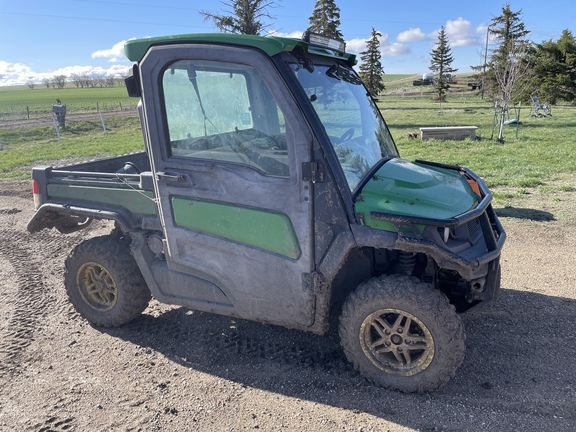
(97, 287)
(397, 342)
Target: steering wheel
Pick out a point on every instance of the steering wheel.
(346, 135)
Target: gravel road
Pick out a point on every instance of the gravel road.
(178, 370)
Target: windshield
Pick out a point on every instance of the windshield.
(352, 121)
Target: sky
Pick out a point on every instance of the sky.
(43, 38)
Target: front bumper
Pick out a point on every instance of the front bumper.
(472, 244)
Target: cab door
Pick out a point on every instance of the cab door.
(227, 144)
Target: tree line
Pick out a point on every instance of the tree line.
(515, 68)
(79, 81)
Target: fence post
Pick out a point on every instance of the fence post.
(28, 112)
(102, 120)
(55, 125)
(518, 118)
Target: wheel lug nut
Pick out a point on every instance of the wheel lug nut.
(400, 330)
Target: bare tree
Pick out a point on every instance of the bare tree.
(46, 82)
(77, 80)
(31, 84)
(511, 75)
(58, 81)
(244, 16)
(85, 80)
(122, 78)
(99, 81)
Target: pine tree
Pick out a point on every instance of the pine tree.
(371, 69)
(244, 18)
(325, 19)
(441, 63)
(508, 55)
(508, 30)
(509, 70)
(555, 69)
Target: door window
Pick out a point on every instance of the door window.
(224, 112)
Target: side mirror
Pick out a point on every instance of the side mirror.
(133, 83)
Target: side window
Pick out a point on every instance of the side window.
(224, 112)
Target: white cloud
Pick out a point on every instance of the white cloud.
(481, 30)
(356, 45)
(412, 35)
(91, 71)
(460, 33)
(297, 34)
(15, 73)
(113, 53)
(387, 48)
(19, 74)
(395, 49)
(12, 74)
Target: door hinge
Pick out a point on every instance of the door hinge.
(313, 283)
(312, 171)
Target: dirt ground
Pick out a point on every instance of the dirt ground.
(178, 370)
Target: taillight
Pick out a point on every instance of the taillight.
(36, 192)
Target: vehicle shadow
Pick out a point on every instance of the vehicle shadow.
(519, 364)
(525, 213)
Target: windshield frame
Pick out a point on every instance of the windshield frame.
(369, 141)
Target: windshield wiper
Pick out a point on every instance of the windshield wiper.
(343, 74)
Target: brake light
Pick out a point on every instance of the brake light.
(36, 192)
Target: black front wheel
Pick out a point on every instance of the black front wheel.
(402, 334)
(104, 283)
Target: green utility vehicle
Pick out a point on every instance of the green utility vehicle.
(271, 189)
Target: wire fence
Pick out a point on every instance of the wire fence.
(24, 118)
(32, 113)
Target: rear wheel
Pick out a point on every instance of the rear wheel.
(104, 283)
(402, 334)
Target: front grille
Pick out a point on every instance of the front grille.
(474, 228)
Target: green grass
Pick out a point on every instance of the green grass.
(23, 148)
(543, 150)
(16, 99)
(544, 146)
(394, 82)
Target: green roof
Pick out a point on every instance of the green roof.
(136, 49)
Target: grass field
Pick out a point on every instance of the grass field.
(542, 151)
(26, 147)
(15, 100)
(543, 148)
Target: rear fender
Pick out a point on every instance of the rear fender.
(68, 219)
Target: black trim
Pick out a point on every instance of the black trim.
(368, 176)
(448, 259)
(133, 83)
(451, 222)
(48, 214)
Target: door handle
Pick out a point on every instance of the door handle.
(169, 177)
